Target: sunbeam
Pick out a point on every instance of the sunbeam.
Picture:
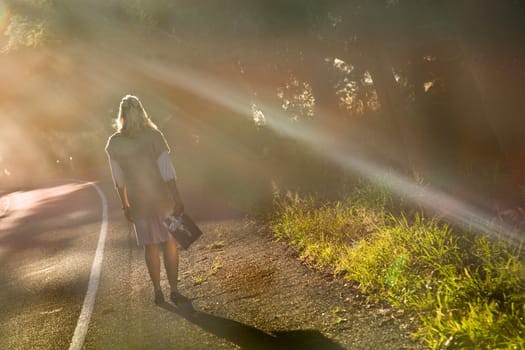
(227, 95)
(110, 62)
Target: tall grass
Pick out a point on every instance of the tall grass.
(468, 289)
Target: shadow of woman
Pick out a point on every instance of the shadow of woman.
(251, 338)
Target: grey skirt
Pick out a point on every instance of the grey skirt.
(150, 230)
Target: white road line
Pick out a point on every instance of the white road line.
(94, 278)
(7, 204)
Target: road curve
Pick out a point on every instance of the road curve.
(47, 243)
(248, 291)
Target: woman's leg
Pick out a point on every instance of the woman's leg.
(171, 262)
(153, 264)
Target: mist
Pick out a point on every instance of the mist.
(251, 94)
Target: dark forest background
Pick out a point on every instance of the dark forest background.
(308, 95)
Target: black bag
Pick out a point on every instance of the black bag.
(183, 229)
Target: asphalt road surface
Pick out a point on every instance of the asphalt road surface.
(248, 291)
(48, 240)
(47, 243)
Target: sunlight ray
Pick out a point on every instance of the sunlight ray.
(440, 203)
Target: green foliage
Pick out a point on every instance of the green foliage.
(371, 195)
(480, 306)
(23, 32)
(203, 277)
(469, 290)
(323, 232)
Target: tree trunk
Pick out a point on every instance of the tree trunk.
(394, 106)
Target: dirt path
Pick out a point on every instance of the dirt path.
(238, 272)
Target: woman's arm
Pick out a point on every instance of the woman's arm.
(178, 208)
(169, 176)
(118, 179)
(123, 195)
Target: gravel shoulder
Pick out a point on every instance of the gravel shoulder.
(237, 272)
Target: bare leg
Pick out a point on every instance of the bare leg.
(153, 264)
(171, 262)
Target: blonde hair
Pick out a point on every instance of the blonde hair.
(132, 117)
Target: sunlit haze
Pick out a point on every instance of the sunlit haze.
(234, 100)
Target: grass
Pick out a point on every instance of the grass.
(203, 277)
(216, 245)
(468, 289)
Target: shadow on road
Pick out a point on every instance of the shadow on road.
(251, 338)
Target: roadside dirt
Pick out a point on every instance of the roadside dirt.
(236, 271)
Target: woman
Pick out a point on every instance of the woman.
(145, 181)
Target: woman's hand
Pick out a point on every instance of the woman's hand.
(178, 208)
(123, 194)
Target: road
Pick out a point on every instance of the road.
(248, 292)
(48, 240)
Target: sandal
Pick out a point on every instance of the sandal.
(178, 298)
(159, 297)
